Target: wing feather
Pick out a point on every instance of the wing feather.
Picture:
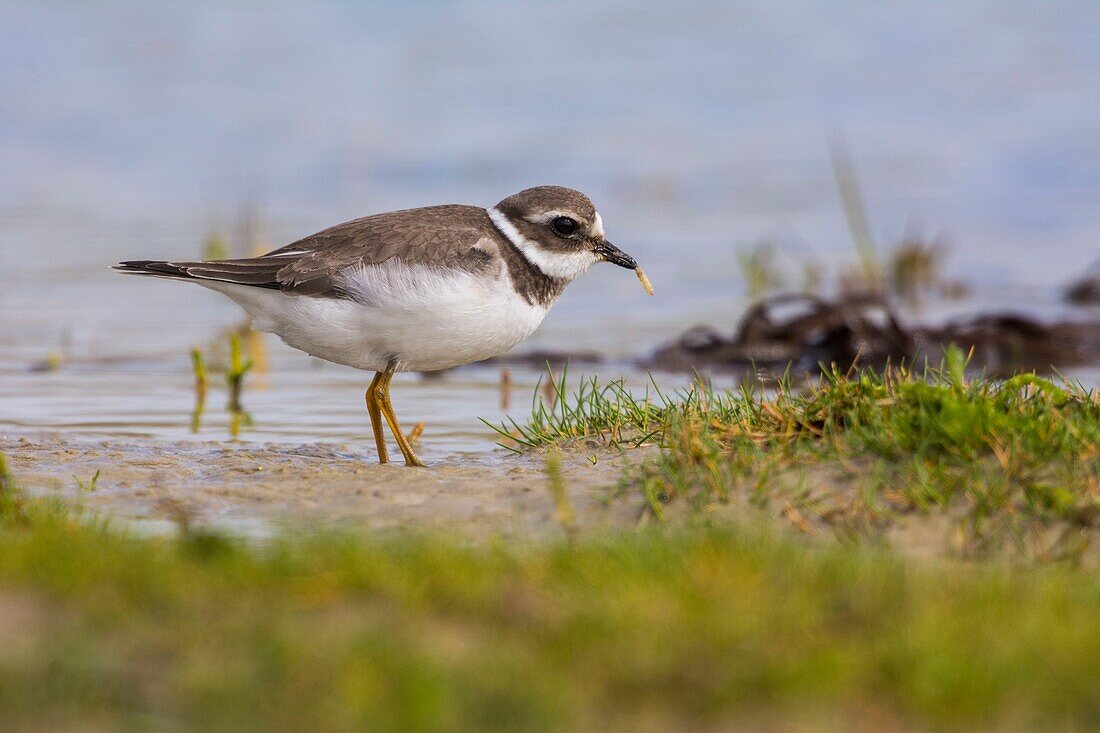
(437, 236)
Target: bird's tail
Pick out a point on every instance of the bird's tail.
(153, 268)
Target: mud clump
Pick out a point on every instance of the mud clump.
(1085, 291)
(1005, 343)
(806, 331)
(800, 330)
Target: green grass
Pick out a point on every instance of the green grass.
(704, 627)
(1013, 464)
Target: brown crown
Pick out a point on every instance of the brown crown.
(542, 199)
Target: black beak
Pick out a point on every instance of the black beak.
(614, 255)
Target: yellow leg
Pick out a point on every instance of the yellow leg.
(376, 418)
(382, 394)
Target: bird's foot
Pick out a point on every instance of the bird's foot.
(412, 461)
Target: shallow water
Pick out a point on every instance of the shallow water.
(298, 400)
(133, 131)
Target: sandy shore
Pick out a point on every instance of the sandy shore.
(152, 486)
(252, 489)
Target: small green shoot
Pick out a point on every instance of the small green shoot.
(88, 485)
(198, 369)
(235, 374)
(856, 214)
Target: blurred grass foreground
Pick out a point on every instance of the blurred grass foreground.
(704, 627)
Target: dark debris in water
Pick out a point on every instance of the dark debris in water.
(805, 331)
(538, 359)
(1085, 291)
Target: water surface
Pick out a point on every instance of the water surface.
(132, 131)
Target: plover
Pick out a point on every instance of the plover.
(414, 290)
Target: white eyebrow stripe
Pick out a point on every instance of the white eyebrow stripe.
(548, 217)
(561, 265)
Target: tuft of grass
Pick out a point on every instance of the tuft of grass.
(768, 267)
(1014, 464)
(88, 485)
(759, 269)
(915, 269)
(910, 270)
(608, 411)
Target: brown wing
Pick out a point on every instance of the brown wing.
(441, 236)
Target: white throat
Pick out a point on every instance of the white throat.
(560, 265)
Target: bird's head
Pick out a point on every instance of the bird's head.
(557, 230)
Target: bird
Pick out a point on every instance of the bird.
(421, 289)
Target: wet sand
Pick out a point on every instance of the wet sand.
(252, 490)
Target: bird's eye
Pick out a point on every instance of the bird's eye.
(564, 226)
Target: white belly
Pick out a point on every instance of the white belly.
(416, 318)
